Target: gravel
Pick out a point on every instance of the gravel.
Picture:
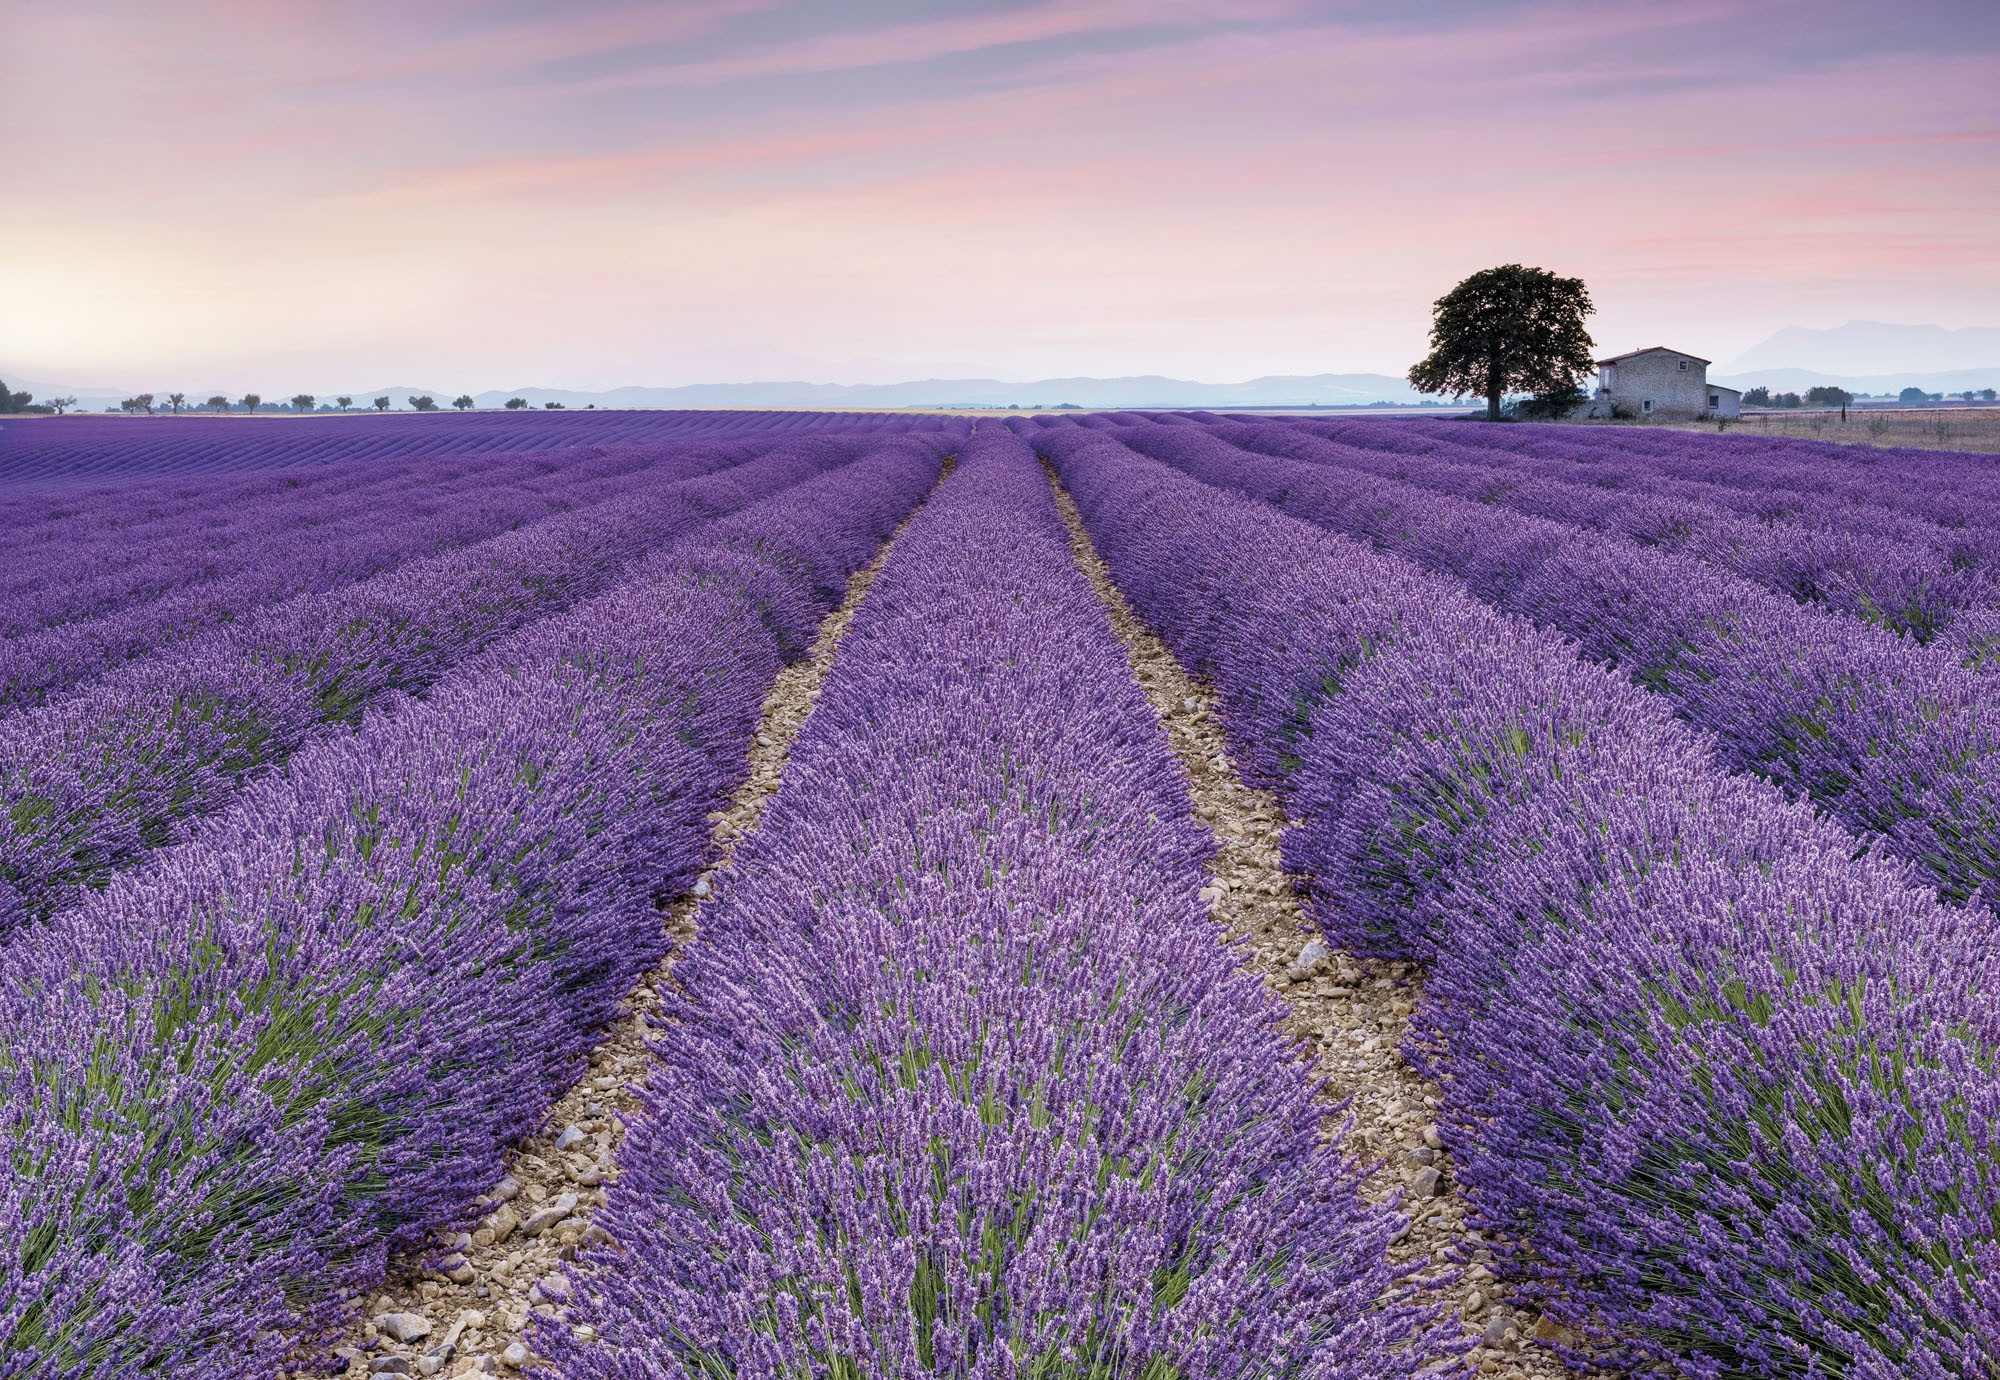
(480, 1286)
(1352, 1010)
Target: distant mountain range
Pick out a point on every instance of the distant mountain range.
(1861, 356)
(1874, 349)
(1148, 390)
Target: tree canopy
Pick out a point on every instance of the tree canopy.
(13, 402)
(1510, 329)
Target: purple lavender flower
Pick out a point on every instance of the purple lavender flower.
(236, 1078)
(961, 1081)
(1719, 1078)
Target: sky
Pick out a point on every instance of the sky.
(474, 194)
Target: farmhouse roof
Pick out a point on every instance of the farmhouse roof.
(1654, 350)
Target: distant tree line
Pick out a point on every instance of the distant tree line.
(13, 402)
(1840, 397)
(175, 403)
(254, 402)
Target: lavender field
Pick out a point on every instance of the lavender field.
(1099, 896)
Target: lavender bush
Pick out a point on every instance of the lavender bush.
(1910, 588)
(1725, 1079)
(90, 783)
(200, 574)
(58, 463)
(961, 1082)
(1903, 494)
(1888, 737)
(241, 1074)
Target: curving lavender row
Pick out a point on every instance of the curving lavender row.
(1725, 1080)
(193, 586)
(1909, 589)
(235, 1080)
(66, 453)
(1888, 737)
(960, 1082)
(90, 783)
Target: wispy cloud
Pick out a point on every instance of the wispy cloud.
(605, 189)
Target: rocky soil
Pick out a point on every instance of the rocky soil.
(1353, 1011)
(463, 1307)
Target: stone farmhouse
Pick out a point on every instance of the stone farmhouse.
(1659, 383)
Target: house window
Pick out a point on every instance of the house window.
(1646, 406)
(1684, 365)
(1715, 400)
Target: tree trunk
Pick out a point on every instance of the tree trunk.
(1492, 404)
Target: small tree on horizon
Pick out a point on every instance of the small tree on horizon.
(219, 403)
(57, 405)
(382, 403)
(142, 402)
(516, 404)
(303, 402)
(424, 402)
(344, 403)
(462, 401)
(176, 401)
(252, 401)
(1510, 329)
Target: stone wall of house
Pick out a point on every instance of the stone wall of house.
(1675, 393)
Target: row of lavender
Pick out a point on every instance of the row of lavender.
(1891, 738)
(89, 606)
(1939, 583)
(1893, 492)
(67, 454)
(157, 536)
(90, 783)
(959, 1081)
(1726, 1081)
(237, 1078)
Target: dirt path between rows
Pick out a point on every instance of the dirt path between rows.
(1353, 1011)
(469, 1314)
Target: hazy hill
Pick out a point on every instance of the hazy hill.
(1864, 349)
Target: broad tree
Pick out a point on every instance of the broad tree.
(219, 403)
(424, 402)
(58, 405)
(344, 403)
(303, 402)
(176, 401)
(142, 402)
(252, 401)
(1505, 330)
(462, 401)
(13, 402)
(382, 403)
(516, 404)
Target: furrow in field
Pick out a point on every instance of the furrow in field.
(1888, 737)
(475, 1291)
(960, 1082)
(1716, 1078)
(1353, 1011)
(305, 1037)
